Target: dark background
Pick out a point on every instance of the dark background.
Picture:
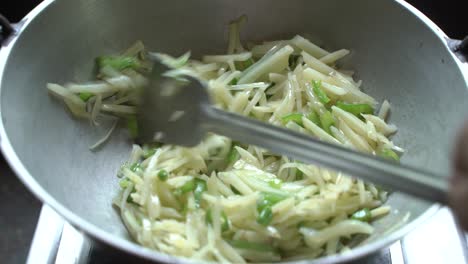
(20, 210)
(450, 15)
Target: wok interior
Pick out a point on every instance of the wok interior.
(396, 56)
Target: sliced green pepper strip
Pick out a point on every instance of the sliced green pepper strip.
(118, 62)
(389, 154)
(85, 96)
(225, 223)
(242, 244)
(200, 187)
(295, 117)
(321, 95)
(363, 215)
(356, 109)
(132, 126)
(312, 116)
(326, 119)
(163, 175)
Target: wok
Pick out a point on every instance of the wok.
(398, 52)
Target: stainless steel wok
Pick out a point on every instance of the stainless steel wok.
(398, 52)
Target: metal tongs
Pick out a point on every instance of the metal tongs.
(178, 111)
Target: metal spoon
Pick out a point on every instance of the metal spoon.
(179, 112)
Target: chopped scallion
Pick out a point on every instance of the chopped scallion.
(363, 215)
(124, 183)
(148, 153)
(265, 216)
(269, 199)
(327, 120)
(163, 175)
(275, 183)
(118, 62)
(200, 187)
(294, 117)
(187, 187)
(233, 155)
(312, 116)
(85, 96)
(321, 95)
(389, 154)
(225, 223)
(135, 167)
(356, 109)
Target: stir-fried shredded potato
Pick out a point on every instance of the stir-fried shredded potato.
(225, 201)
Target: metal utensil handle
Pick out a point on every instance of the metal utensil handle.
(419, 183)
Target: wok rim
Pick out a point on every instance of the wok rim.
(132, 247)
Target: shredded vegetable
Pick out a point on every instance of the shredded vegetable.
(321, 95)
(327, 121)
(389, 154)
(294, 117)
(163, 175)
(363, 215)
(118, 63)
(85, 96)
(356, 109)
(224, 201)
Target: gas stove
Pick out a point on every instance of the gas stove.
(438, 240)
